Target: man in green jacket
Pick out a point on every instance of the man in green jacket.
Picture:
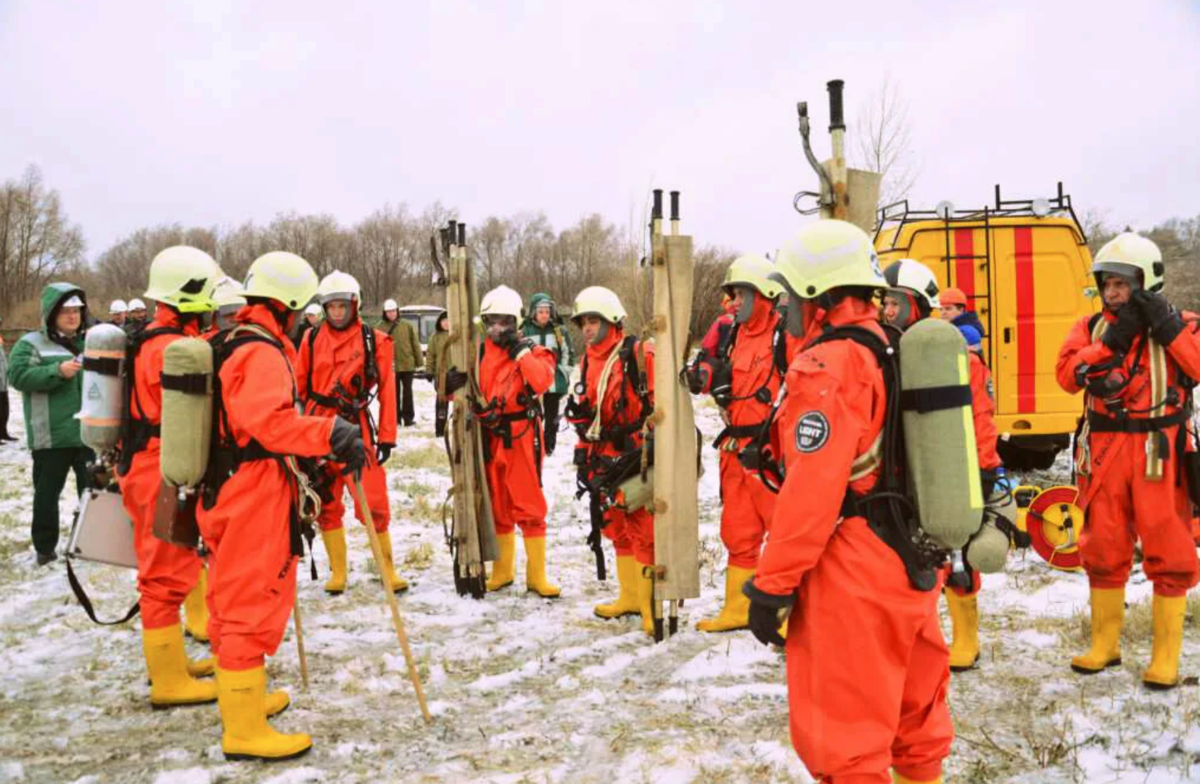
(544, 327)
(406, 358)
(45, 366)
(435, 366)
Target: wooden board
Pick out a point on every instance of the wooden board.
(676, 519)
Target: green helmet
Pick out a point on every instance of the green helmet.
(826, 255)
(283, 277)
(184, 278)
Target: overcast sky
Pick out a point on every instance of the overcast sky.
(219, 111)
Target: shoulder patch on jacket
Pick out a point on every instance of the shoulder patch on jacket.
(812, 431)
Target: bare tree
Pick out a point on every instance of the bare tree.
(883, 142)
(37, 241)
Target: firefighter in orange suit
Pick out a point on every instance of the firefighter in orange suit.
(866, 662)
(744, 378)
(609, 405)
(912, 294)
(1136, 362)
(182, 280)
(336, 376)
(513, 374)
(249, 518)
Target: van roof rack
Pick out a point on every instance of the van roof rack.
(899, 213)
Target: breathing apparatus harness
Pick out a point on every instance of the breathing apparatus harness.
(723, 393)
(600, 476)
(136, 431)
(498, 423)
(349, 403)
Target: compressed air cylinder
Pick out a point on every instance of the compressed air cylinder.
(103, 387)
(187, 411)
(636, 493)
(987, 550)
(939, 433)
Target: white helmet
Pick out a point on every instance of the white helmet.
(228, 294)
(598, 301)
(118, 306)
(313, 310)
(1132, 256)
(137, 304)
(501, 301)
(390, 304)
(911, 275)
(339, 286)
(826, 255)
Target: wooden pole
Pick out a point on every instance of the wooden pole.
(391, 597)
(300, 638)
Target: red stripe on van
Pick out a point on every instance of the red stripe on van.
(1026, 338)
(964, 269)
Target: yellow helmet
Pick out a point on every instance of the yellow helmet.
(283, 277)
(1132, 256)
(339, 286)
(826, 255)
(184, 278)
(598, 301)
(501, 301)
(753, 271)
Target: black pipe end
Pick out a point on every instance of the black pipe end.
(836, 119)
(462, 234)
(674, 205)
(656, 210)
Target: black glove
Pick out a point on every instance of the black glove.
(455, 380)
(346, 443)
(518, 345)
(767, 612)
(1164, 321)
(1120, 334)
(383, 452)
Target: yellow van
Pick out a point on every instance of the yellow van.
(1026, 270)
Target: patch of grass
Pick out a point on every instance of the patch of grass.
(419, 557)
(421, 457)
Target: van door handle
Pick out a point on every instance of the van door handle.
(1008, 334)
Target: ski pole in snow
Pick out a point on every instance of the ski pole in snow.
(377, 550)
(300, 638)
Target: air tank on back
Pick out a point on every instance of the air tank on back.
(103, 387)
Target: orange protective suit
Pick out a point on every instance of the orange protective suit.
(251, 568)
(166, 572)
(1121, 504)
(332, 357)
(514, 467)
(853, 715)
(747, 504)
(631, 534)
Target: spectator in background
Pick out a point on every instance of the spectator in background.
(544, 327)
(406, 358)
(312, 317)
(45, 366)
(116, 312)
(435, 364)
(136, 316)
(719, 331)
(4, 436)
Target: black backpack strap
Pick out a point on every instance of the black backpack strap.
(86, 603)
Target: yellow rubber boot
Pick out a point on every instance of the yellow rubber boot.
(964, 629)
(195, 610)
(167, 665)
(627, 587)
(1163, 672)
(246, 734)
(397, 582)
(335, 548)
(898, 779)
(646, 600)
(504, 569)
(1108, 616)
(736, 612)
(535, 568)
(274, 702)
(201, 668)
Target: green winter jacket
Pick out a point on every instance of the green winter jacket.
(406, 349)
(554, 337)
(51, 401)
(435, 362)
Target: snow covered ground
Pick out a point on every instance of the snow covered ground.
(532, 690)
